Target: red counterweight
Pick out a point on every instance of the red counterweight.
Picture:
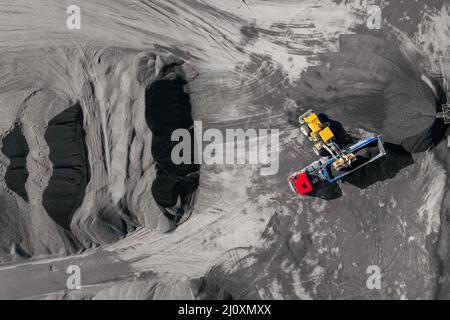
(301, 183)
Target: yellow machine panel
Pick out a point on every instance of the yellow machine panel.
(313, 122)
(326, 134)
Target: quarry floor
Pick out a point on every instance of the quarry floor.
(249, 236)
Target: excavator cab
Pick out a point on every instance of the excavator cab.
(316, 131)
(313, 127)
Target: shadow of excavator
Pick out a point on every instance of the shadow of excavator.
(396, 159)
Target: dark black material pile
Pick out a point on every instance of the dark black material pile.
(168, 108)
(371, 84)
(68, 154)
(15, 147)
